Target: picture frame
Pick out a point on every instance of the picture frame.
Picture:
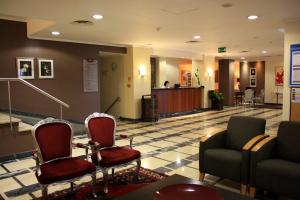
(25, 67)
(253, 82)
(279, 76)
(46, 68)
(252, 71)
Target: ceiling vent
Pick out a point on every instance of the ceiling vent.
(83, 22)
(245, 51)
(226, 5)
(192, 41)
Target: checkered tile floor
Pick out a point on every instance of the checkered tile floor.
(169, 146)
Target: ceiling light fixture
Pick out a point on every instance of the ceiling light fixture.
(242, 58)
(264, 52)
(197, 37)
(281, 30)
(97, 16)
(55, 33)
(252, 17)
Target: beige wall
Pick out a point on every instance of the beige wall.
(270, 87)
(168, 70)
(292, 36)
(208, 82)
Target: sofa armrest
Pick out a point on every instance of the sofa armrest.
(261, 151)
(246, 157)
(216, 140)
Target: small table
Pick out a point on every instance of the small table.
(148, 192)
(277, 94)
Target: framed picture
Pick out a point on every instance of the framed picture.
(25, 68)
(279, 74)
(252, 82)
(45, 68)
(252, 71)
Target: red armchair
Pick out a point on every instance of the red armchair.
(53, 155)
(101, 130)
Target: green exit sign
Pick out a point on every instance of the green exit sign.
(221, 49)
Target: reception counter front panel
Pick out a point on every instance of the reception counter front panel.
(176, 100)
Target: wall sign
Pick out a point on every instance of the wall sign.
(295, 65)
(90, 75)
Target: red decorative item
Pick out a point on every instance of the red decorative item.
(187, 191)
(279, 76)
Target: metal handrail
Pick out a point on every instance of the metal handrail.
(8, 80)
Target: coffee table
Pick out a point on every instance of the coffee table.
(148, 192)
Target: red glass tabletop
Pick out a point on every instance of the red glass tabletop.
(187, 191)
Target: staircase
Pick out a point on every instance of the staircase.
(15, 137)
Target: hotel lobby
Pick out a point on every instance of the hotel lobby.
(150, 99)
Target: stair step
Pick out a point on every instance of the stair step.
(5, 120)
(24, 128)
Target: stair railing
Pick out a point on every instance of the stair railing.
(9, 80)
(112, 104)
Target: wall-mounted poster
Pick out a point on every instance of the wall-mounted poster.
(295, 65)
(45, 68)
(253, 82)
(279, 74)
(90, 75)
(252, 71)
(25, 68)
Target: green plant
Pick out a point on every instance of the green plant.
(213, 95)
(197, 77)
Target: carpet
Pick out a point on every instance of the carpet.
(122, 183)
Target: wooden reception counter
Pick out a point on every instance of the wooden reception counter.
(176, 100)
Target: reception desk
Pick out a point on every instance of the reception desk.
(176, 100)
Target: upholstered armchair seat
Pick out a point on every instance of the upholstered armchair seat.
(64, 169)
(224, 162)
(115, 156)
(275, 162)
(227, 154)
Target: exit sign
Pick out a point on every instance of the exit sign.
(221, 49)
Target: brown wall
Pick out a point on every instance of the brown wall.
(260, 75)
(226, 80)
(67, 84)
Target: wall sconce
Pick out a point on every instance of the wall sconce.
(209, 72)
(142, 70)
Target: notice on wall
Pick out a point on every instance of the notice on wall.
(295, 95)
(90, 75)
(295, 65)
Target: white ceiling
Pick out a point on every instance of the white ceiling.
(165, 24)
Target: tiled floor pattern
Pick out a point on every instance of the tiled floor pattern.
(169, 146)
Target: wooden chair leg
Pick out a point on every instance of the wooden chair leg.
(138, 167)
(201, 176)
(44, 191)
(94, 184)
(72, 186)
(252, 192)
(105, 181)
(243, 189)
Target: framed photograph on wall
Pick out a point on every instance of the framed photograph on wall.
(25, 68)
(252, 71)
(45, 68)
(252, 82)
(279, 74)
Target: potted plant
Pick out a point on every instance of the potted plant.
(217, 99)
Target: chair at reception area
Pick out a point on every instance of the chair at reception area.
(227, 154)
(53, 155)
(275, 162)
(106, 155)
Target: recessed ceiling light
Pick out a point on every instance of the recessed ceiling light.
(55, 33)
(281, 30)
(97, 16)
(252, 17)
(196, 37)
(264, 51)
(243, 58)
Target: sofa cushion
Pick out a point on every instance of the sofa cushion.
(241, 129)
(288, 141)
(64, 169)
(279, 176)
(224, 163)
(116, 156)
